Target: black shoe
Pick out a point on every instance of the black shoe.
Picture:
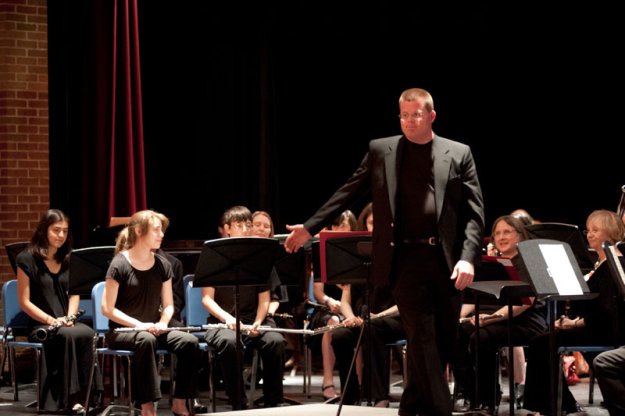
(577, 408)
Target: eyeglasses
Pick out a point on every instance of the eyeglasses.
(505, 233)
(411, 116)
(241, 225)
(586, 232)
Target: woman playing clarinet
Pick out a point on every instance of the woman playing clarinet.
(138, 294)
(42, 288)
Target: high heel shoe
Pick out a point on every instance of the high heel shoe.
(327, 397)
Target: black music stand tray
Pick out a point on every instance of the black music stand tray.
(615, 265)
(88, 266)
(552, 270)
(236, 261)
(345, 258)
(13, 249)
(566, 233)
(291, 268)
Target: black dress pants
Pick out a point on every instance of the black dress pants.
(144, 344)
(429, 306)
(271, 347)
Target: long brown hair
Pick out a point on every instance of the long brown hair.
(141, 220)
(39, 241)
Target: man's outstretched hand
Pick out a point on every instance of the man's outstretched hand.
(298, 237)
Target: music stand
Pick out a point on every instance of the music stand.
(188, 256)
(13, 249)
(88, 266)
(345, 258)
(497, 282)
(552, 270)
(236, 261)
(291, 267)
(567, 233)
(615, 265)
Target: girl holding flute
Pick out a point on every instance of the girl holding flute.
(138, 294)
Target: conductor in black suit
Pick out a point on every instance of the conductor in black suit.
(427, 234)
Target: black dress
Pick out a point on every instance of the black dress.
(68, 355)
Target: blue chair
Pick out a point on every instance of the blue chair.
(16, 319)
(101, 327)
(195, 314)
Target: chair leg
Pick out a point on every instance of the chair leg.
(211, 381)
(253, 377)
(308, 353)
(13, 375)
(38, 376)
(131, 405)
(591, 386)
(4, 357)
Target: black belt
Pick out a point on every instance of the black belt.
(430, 241)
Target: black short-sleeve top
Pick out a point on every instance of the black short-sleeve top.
(139, 293)
(48, 290)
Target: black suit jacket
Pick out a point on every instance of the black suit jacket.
(459, 203)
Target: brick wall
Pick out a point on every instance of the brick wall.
(24, 170)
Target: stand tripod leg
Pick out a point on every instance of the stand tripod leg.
(351, 368)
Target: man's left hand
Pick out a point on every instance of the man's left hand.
(463, 274)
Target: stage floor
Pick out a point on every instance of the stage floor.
(316, 409)
(312, 406)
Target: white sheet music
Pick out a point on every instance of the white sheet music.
(560, 269)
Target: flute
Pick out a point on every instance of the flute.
(262, 328)
(168, 329)
(484, 317)
(279, 315)
(43, 334)
(247, 328)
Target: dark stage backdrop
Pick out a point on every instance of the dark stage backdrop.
(272, 106)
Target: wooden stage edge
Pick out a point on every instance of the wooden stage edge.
(315, 409)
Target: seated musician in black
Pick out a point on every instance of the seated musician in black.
(528, 320)
(138, 294)
(42, 290)
(253, 307)
(589, 322)
(385, 327)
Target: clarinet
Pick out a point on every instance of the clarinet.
(44, 334)
(327, 328)
(279, 315)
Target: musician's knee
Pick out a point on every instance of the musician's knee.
(144, 339)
